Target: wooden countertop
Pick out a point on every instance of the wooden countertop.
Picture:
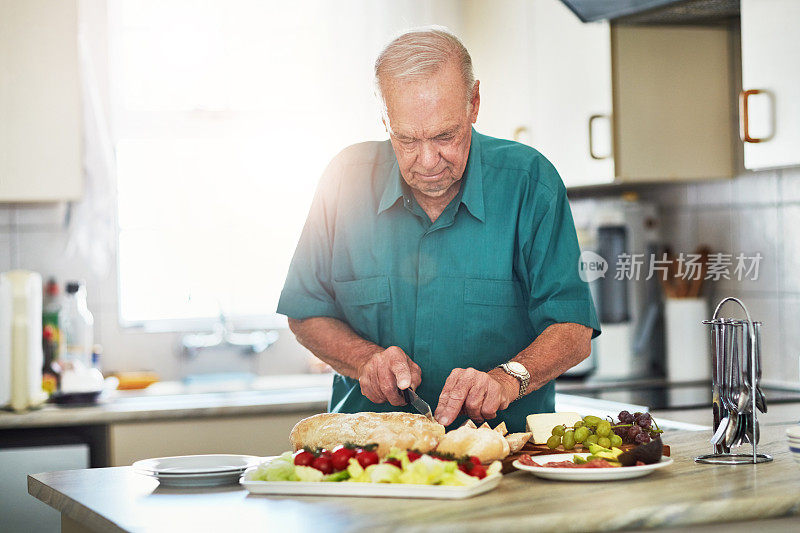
(117, 499)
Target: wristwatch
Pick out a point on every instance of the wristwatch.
(520, 373)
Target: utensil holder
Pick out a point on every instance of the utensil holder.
(725, 335)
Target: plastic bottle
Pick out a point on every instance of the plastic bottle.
(77, 326)
(51, 333)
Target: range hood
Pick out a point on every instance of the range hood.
(655, 11)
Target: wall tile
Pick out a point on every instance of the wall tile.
(667, 196)
(679, 229)
(756, 231)
(768, 311)
(756, 188)
(790, 339)
(5, 251)
(41, 217)
(789, 246)
(715, 229)
(46, 253)
(789, 183)
(6, 212)
(713, 193)
(133, 349)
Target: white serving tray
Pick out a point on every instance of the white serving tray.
(374, 490)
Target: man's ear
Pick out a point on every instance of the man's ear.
(475, 102)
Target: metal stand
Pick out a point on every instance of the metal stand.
(736, 396)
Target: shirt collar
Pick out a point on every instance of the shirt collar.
(471, 188)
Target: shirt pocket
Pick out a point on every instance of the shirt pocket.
(367, 306)
(496, 324)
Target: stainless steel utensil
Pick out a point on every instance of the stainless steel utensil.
(736, 398)
(418, 403)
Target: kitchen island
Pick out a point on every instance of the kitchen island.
(684, 494)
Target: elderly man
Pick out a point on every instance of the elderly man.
(442, 259)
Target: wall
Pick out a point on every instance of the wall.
(35, 237)
(754, 212)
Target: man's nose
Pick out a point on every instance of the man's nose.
(429, 156)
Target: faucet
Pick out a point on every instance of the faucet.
(224, 335)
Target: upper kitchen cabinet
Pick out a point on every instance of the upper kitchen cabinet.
(498, 37)
(617, 103)
(40, 103)
(672, 89)
(769, 105)
(571, 79)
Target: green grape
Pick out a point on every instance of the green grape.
(578, 424)
(591, 439)
(569, 439)
(616, 440)
(591, 420)
(553, 442)
(581, 434)
(558, 430)
(604, 442)
(603, 428)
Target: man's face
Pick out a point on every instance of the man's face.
(429, 127)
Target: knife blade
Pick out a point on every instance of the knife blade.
(418, 403)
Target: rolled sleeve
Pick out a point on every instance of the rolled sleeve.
(308, 290)
(551, 255)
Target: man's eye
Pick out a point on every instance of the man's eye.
(444, 138)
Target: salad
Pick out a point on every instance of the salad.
(362, 465)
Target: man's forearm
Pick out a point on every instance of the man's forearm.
(334, 342)
(556, 350)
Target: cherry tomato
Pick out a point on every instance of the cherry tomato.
(474, 460)
(323, 464)
(413, 456)
(303, 458)
(366, 458)
(464, 467)
(395, 462)
(325, 453)
(341, 457)
(478, 471)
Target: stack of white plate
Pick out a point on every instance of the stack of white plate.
(793, 436)
(196, 470)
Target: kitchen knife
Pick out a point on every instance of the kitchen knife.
(418, 403)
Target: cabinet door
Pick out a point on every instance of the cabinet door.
(40, 111)
(571, 72)
(770, 51)
(497, 35)
(260, 435)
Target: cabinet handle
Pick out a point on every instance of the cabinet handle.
(518, 133)
(591, 139)
(744, 116)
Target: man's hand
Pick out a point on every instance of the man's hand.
(387, 371)
(479, 394)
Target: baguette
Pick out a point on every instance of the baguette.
(406, 431)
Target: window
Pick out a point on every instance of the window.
(225, 115)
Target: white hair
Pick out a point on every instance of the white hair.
(420, 53)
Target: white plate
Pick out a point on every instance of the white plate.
(196, 480)
(380, 490)
(587, 474)
(196, 464)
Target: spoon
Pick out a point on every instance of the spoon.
(732, 432)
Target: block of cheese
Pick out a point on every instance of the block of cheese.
(541, 425)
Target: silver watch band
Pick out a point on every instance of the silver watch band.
(523, 378)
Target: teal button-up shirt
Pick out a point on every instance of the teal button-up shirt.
(471, 289)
